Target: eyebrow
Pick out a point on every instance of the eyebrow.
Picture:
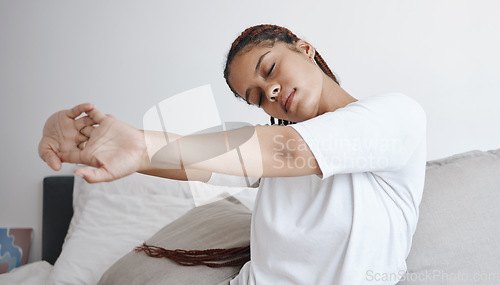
(260, 61)
(247, 93)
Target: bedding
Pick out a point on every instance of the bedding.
(110, 219)
(223, 224)
(35, 273)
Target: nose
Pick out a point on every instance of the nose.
(272, 91)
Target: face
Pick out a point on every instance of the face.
(284, 82)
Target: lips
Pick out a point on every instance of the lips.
(286, 100)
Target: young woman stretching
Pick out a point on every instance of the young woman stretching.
(340, 189)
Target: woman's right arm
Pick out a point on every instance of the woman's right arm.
(116, 149)
(179, 174)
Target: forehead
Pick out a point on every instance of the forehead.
(242, 68)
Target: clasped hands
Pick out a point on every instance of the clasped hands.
(113, 148)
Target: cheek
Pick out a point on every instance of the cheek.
(315, 73)
(316, 82)
(273, 110)
(306, 73)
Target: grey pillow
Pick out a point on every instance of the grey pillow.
(458, 236)
(222, 224)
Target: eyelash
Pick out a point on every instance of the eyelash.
(271, 69)
(268, 74)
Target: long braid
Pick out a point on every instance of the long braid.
(236, 256)
(270, 34)
(324, 67)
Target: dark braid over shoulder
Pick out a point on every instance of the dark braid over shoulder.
(269, 34)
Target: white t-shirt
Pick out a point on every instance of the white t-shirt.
(354, 223)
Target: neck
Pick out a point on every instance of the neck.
(333, 96)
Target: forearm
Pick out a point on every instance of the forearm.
(178, 174)
(263, 151)
(154, 142)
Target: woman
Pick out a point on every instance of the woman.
(338, 201)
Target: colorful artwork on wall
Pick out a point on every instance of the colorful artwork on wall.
(14, 247)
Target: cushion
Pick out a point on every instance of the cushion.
(457, 237)
(222, 224)
(111, 218)
(30, 274)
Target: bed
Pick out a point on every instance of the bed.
(88, 228)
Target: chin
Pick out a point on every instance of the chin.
(304, 113)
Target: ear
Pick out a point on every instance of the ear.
(306, 48)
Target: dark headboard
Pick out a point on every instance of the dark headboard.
(57, 213)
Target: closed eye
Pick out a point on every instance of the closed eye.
(271, 70)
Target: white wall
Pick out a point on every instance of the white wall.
(125, 56)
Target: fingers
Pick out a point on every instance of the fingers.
(79, 137)
(84, 122)
(81, 145)
(79, 109)
(93, 175)
(87, 131)
(85, 125)
(96, 115)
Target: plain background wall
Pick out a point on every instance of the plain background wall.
(125, 56)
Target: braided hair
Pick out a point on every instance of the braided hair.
(270, 34)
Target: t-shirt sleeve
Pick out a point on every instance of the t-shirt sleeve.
(379, 133)
(220, 179)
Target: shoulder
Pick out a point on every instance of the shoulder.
(389, 100)
(379, 107)
(390, 106)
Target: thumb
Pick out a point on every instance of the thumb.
(93, 175)
(53, 161)
(48, 155)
